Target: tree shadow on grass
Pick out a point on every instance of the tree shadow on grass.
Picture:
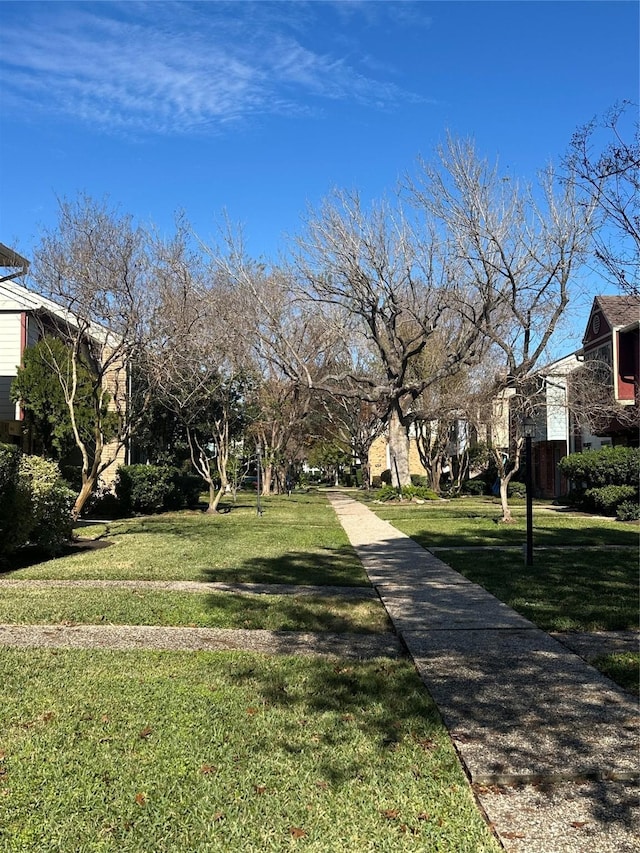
(382, 699)
(327, 567)
(31, 555)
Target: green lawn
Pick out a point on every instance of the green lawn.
(564, 590)
(297, 540)
(167, 752)
(30, 605)
(475, 521)
(218, 751)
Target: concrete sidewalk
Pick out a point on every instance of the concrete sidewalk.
(550, 745)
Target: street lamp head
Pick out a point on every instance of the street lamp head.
(528, 426)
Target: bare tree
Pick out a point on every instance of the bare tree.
(603, 162)
(93, 265)
(285, 347)
(520, 247)
(387, 288)
(190, 362)
(592, 404)
(355, 424)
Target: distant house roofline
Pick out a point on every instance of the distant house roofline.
(10, 259)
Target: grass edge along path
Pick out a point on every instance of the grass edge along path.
(590, 584)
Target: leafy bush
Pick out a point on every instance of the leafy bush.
(14, 515)
(517, 489)
(385, 477)
(419, 480)
(390, 493)
(35, 503)
(190, 487)
(603, 479)
(617, 466)
(606, 499)
(474, 487)
(628, 511)
(50, 503)
(155, 488)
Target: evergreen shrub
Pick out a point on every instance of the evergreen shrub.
(155, 488)
(35, 503)
(603, 479)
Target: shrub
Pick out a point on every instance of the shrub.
(390, 493)
(617, 466)
(190, 488)
(603, 479)
(474, 487)
(517, 489)
(14, 510)
(155, 488)
(419, 480)
(606, 499)
(628, 511)
(50, 503)
(35, 503)
(385, 477)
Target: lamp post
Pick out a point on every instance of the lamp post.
(529, 428)
(258, 483)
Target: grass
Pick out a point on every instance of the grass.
(297, 540)
(588, 586)
(203, 610)
(563, 590)
(474, 521)
(622, 668)
(140, 751)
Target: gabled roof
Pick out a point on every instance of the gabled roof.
(620, 311)
(610, 314)
(15, 297)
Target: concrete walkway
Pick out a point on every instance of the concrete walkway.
(550, 745)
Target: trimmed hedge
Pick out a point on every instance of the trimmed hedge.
(611, 466)
(390, 493)
(603, 480)
(155, 488)
(35, 503)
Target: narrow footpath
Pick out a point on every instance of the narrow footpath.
(550, 745)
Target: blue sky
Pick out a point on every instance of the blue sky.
(260, 109)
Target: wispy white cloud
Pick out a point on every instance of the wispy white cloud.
(171, 68)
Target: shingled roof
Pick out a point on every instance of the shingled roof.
(620, 310)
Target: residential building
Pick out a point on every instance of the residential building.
(25, 316)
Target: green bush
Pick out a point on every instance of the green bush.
(50, 502)
(155, 488)
(419, 480)
(385, 477)
(474, 487)
(628, 511)
(390, 493)
(603, 479)
(611, 466)
(517, 489)
(35, 503)
(606, 499)
(14, 515)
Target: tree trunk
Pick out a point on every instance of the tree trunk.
(215, 496)
(399, 447)
(267, 477)
(504, 500)
(85, 493)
